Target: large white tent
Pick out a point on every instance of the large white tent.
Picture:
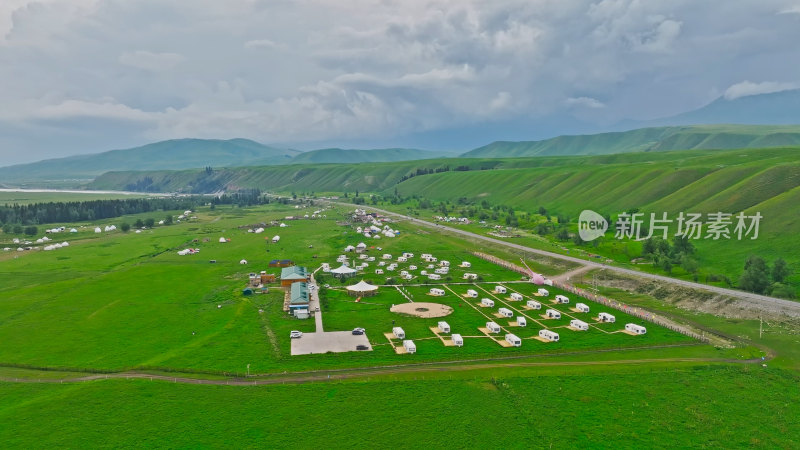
(343, 271)
(362, 289)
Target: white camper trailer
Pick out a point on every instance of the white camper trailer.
(513, 340)
(500, 289)
(549, 335)
(434, 276)
(437, 292)
(582, 307)
(562, 299)
(409, 346)
(493, 327)
(466, 264)
(633, 328)
(505, 312)
(516, 296)
(522, 321)
(472, 293)
(606, 317)
(470, 276)
(579, 324)
(402, 259)
(444, 327)
(399, 333)
(553, 314)
(543, 292)
(386, 256)
(458, 341)
(533, 304)
(489, 303)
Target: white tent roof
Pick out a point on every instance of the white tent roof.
(362, 286)
(343, 270)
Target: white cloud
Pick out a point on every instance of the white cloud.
(748, 88)
(584, 102)
(374, 68)
(154, 62)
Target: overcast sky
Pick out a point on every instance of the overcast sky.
(81, 76)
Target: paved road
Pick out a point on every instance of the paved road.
(762, 300)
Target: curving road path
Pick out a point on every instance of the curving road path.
(787, 306)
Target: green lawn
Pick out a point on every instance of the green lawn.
(687, 406)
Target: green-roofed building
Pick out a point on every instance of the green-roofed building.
(298, 296)
(293, 274)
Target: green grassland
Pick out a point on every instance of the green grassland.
(624, 407)
(118, 301)
(28, 197)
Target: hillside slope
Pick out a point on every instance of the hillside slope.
(172, 154)
(346, 156)
(648, 139)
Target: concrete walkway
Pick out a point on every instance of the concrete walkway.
(314, 306)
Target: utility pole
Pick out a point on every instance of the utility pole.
(760, 326)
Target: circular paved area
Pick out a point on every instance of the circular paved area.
(423, 310)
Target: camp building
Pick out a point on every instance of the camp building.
(293, 274)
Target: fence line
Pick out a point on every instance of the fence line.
(611, 303)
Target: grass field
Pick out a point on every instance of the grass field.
(118, 301)
(688, 406)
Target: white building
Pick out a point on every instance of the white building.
(543, 292)
(633, 328)
(434, 276)
(437, 292)
(399, 333)
(516, 296)
(470, 276)
(553, 314)
(444, 327)
(493, 327)
(386, 256)
(505, 312)
(500, 289)
(409, 346)
(549, 335)
(513, 340)
(472, 293)
(606, 317)
(579, 324)
(466, 264)
(487, 302)
(533, 304)
(521, 321)
(582, 307)
(562, 299)
(458, 340)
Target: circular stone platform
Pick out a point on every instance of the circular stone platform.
(423, 310)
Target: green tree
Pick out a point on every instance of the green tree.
(125, 227)
(138, 224)
(31, 230)
(18, 229)
(780, 270)
(149, 222)
(562, 234)
(168, 219)
(755, 277)
(782, 291)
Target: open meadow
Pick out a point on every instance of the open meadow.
(116, 303)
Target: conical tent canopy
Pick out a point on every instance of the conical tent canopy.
(343, 270)
(362, 286)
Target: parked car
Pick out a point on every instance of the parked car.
(362, 347)
(358, 331)
(294, 334)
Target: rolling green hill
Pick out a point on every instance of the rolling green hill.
(172, 154)
(344, 156)
(694, 181)
(648, 140)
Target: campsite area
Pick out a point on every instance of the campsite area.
(124, 318)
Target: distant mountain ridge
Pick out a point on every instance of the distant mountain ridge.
(165, 155)
(648, 140)
(339, 155)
